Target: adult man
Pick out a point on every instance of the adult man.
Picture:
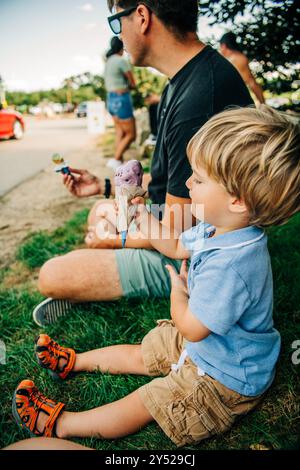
(230, 49)
(202, 83)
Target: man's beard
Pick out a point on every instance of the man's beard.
(138, 58)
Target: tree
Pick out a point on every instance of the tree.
(268, 29)
(147, 82)
(88, 87)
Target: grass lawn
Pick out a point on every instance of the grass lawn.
(275, 424)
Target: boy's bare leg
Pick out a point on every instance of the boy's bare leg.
(118, 359)
(116, 419)
(111, 421)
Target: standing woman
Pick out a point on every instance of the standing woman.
(119, 80)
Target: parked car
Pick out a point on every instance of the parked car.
(57, 108)
(11, 124)
(68, 107)
(34, 110)
(81, 111)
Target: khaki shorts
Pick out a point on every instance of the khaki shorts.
(188, 407)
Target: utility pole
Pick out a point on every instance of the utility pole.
(69, 91)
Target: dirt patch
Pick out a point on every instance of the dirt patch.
(19, 276)
(43, 203)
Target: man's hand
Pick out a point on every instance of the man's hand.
(179, 281)
(82, 183)
(104, 231)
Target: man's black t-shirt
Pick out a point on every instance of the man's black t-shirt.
(205, 86)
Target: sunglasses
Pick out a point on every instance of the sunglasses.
(114, 21)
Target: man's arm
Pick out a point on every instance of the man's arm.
(243, 67)
(178, 215)
(82, 183)
(146, 180)
(257, 89)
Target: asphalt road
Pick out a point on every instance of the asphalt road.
(19, 160)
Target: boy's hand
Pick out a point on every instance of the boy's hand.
(141, 216)
(138, 201)
(179, 281)
(82, 183)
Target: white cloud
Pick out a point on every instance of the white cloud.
(86, 7)
(82, 59)
(91, 63)
(16, 84)
(33, 84)
(90, 26)
(51, 81)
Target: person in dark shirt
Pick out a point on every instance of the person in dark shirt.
(162, 35)
(152, 101)
(205, 86)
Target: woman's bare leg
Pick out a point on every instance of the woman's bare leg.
(129, 135)
(45, 443)
(119, 131)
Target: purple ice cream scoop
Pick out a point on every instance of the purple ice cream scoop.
(128, 185)
(129, 174)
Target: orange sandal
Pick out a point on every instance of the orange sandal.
(49, 354)
(27, 404)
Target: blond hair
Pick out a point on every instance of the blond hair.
(255, 155)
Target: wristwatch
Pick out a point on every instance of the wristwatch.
(107, 191)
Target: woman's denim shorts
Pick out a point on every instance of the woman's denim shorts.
(120, 105)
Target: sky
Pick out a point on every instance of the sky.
(42, 42)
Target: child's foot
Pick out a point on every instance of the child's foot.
(48, 311)
(58, 360)
(34, 412)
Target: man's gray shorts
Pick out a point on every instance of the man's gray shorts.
(143, 272)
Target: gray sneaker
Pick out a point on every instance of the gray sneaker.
(48, 311)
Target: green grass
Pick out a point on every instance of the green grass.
(41, 246)
(276, 422)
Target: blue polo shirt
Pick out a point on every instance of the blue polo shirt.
(231, 293)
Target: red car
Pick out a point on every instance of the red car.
(11, 124)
